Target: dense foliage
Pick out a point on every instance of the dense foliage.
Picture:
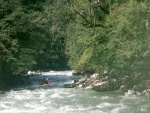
(108, 35)
(15, 40)
(31, 37)
(111, 36)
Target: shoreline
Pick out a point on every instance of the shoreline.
(104, 83)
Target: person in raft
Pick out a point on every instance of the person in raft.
(43, 81)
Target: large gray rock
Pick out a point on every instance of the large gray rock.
(102, 86)
(146, 93)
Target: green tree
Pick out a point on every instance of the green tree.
(120, 46)
(129, 39)
(56, 14)
(22, 37)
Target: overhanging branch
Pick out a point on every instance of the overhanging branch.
(88, 23)
(102, 7)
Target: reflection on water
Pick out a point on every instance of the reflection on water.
(56, 99)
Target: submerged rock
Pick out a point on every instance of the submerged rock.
(2, 92)
(69, 86)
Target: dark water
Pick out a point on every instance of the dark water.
(56, 99)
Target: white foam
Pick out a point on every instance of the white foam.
(144, 108)
(4, 106)
(56, 95)
(40, 108)
(71, 95)
(31, 105)
(35, 106)
(19, 97)
(104, 105)
(105, 97)
(130, 93)
(68, 73)
(42, 96)
(119, 108)
(66, 108)
(12, 110)
(27, 92)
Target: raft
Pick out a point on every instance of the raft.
(49, 84)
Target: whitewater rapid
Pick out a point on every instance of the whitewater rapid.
(56, 99)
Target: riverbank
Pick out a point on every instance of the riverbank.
(104, 82)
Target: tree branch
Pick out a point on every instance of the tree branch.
(77, 12)
(102, 7)
(88, 23)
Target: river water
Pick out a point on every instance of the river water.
(56, 99)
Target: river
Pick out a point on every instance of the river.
(56, 99)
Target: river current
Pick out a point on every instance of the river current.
(56, 99)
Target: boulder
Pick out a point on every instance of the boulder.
(89, 87)
(146, 93)
(123, 89)
(94, 76)
(69, 86)
(102, 86)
